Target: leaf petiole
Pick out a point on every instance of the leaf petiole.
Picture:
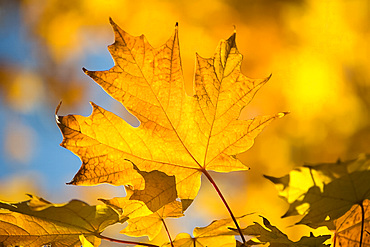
(125, 241)
(168, 232)
(362, 222)
(209, 177)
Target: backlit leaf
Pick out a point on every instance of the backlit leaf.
(216, 234)
(180, 135)
(159, 191)
(272, 235)
(126, 207)
(325, 192)
(37, 222)
(151, 225)
(348, 228)
(142, 221)
(336, 199)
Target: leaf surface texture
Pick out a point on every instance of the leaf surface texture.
(37, 222)
(180, 135)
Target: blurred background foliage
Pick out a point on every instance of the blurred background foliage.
(317, 51)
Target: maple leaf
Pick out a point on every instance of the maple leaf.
(335, 200)
(37, 222)
(151, 225)
(126, 207)
(179, 135)
(218, 233)
(337, 185)
(338, 197)
(350, 227)
(159, 190)
(141, 220)
(272, 235)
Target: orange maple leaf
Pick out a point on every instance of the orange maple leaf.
(353, 224)
(179, 135)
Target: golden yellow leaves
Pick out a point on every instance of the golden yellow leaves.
(37, 222)
(142, 221)
(179, 135)
(216, 234)
(151, 225)
(180, 138)
(271, 234)
(337, 198)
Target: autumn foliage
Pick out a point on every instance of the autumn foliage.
(181, 137)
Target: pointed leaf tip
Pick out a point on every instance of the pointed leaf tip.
(231, 40)
(214, 150)
(282, 114)
(111, 21)
(56, 112)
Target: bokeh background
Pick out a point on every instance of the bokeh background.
(317, 51)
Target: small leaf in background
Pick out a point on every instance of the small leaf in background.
(316, 181)
(37, 222)
(293, 186)
(272, 235)
(338, 198)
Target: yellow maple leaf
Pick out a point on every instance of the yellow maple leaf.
(141, 220)
(37, 222)
(151, 225)
(159, 193)
(179, 135)
(218, 233)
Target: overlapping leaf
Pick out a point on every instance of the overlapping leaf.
(145, 209)
(37, 222)
(216, 234)
(142, 221)
(272, 235)
(338, 198)
(179, 135)
(331, 188)
(355, 223)
(335, 200)
(160, 189)
(151, 225)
